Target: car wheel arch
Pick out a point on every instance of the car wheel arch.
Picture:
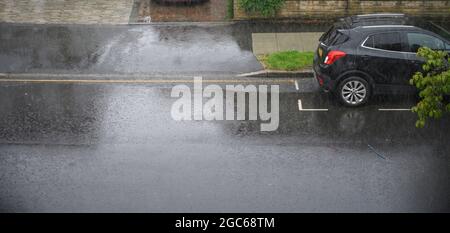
(357, 73)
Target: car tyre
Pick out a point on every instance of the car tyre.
(354, 91)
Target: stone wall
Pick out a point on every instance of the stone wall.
(321, 9)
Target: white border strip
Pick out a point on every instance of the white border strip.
(394, 109)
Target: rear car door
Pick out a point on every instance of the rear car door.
(420, 39)
(384, 56)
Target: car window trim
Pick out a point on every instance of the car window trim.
(384, 50)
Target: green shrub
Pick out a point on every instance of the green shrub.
(434, 84)
(263, 7)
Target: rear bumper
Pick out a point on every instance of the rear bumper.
(324, 80)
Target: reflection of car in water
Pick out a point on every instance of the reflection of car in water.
(364, 124)
(179, 1)
(364, 54)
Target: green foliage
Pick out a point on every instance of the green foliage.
(263, 7)
(289, 60)
(433, 84)
(230, 9)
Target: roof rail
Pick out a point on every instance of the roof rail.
(381, 15)
(383, 26)
(384, 16)
(373, 19)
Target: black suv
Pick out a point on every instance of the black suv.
(366, 54)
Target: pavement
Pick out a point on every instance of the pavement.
(267, 43)
(85, 126)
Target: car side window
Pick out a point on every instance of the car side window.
(386, 41)
(447, 46)
(417, 40)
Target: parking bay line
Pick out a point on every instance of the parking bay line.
(167, 81)
(301, 109)
(394, 109)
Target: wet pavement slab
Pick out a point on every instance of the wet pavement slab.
(114, 147)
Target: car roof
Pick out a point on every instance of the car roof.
(369, 23)
(387, 28)
(372, 20)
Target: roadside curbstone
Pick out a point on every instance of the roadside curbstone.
(279, 74)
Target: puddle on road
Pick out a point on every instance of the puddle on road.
(208, 10)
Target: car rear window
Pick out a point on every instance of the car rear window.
(386, 41)
(333, 37)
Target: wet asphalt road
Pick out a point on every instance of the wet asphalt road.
(122, 49)
(103, 147)
(150, 49)
(115, 147)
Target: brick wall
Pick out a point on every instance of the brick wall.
(338, 8)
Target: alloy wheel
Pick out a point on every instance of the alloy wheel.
(354, 92)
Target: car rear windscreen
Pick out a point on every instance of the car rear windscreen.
(333, 37)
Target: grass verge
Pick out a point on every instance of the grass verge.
(287, 60)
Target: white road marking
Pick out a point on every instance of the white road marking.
(300, 108)
(394, 109)
(296, 85)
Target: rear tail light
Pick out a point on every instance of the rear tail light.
(333, 56)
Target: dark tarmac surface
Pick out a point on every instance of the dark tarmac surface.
(108, 146)
(115, 147)
(176, 49)
(123, 49)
